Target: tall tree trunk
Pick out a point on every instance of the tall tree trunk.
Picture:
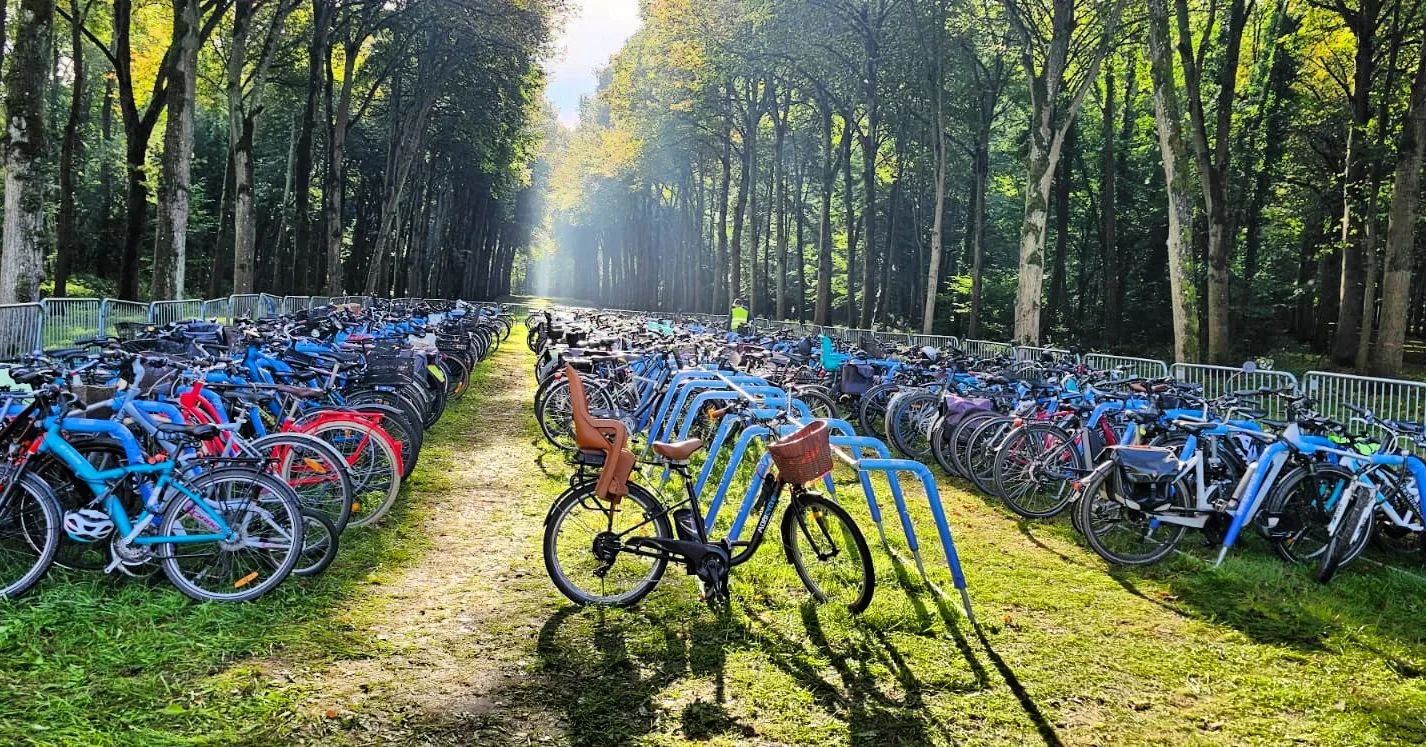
(740, 209)
(1110, 271)
(1174, 155)
(26, 148)
(849, 207)
(1401, 231)
(870, 143)
(318, 53)
(175, 176)
(71, 151)
(1363, 24)
(976, 218)
(1059, 285)
(779, 202)
(721, 297)
(824, 234)
(332, 197)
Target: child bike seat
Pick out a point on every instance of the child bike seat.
(609, 437)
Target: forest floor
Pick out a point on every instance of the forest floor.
(440, 627)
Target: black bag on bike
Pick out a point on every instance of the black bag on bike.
(1145, 474)
(857, 378)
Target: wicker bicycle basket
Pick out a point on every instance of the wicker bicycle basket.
(805, 455)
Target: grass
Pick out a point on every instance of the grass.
(1068, 651)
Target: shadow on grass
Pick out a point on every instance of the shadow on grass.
(953, 619)
(608, 673)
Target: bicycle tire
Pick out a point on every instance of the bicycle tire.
(794, 525)
(32, 529)
(320, 542)
(286, 519)
(582, 496)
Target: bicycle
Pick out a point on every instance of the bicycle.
(592, 539)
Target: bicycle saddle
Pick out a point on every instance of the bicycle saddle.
(300, 392)
(677, 451)
(201, 432)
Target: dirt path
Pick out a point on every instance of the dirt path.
(449, 632)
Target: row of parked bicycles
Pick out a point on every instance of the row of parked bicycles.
(1140, 465)
(229, 457)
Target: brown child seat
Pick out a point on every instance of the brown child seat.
(609, 437)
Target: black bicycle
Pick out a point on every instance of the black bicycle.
(614, 552)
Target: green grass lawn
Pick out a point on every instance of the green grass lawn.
(1068, 650)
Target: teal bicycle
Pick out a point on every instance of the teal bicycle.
(224, 531)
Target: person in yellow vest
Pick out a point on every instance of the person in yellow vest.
(737, 316)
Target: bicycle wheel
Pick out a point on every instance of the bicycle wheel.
(1296, 514)
(314, 470)
(320, 541)
(1353, 533)
(941, 444)
(871, 411)
(371, 463)
(909, 418)
(829, 552)
(266, 518)
(818, 400)
(585, 546)
(556, 414)
(74, 494)
(407, 436)
(1034, 470)
(980, 452)
(30, 520)
(960, 441)
(1123, 535)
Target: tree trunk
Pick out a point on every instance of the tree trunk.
(318, 52)
(175, 176)
(1174, 155)
(1401, 231)
(71, 151)
(938, 218)
(740, 209)
(849, 206)
(824, 234)
(1110, 271)
(980, 180)
(26, 148)
(1363, 24)
(721, 291)
(1059, 285)
(779, 203)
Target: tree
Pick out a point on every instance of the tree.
(1061, 52)
(26, 148)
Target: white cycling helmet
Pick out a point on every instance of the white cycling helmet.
(88, 525)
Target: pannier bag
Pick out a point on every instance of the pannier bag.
(1145, 474)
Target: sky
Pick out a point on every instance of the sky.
(594, 31)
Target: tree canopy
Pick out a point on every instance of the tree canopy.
(1201, 178)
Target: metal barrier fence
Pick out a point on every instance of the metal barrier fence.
(987, 348)
(252, 305)
(1391, 399)
(1220, 380)
(219, 309)
(69, 320)
(1034, 354)
(1145, 367)
(168, 312)
(940, 342)
(294, 304)
(20, 329)
(116, 312)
